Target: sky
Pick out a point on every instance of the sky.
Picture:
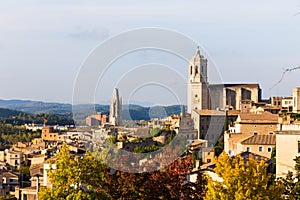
(43, 44)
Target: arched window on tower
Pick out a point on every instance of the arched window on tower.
(191, 70)
(196, 70)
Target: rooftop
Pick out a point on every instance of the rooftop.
(296, 132)
(254, 85)
(258, 158)
(260, 140)
(265, 117)
(217, 112)
(239, 137)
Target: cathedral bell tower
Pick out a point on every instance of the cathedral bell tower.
(197, 83)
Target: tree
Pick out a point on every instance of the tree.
(87, 178)
(25, 171)
(168, 183)
(155, 132)
(241, 180)
(292, 182)
(75, 177)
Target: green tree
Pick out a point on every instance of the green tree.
(168, 183)
(75, 177)
(155, 132)
(292, 182)
(25, 172)
(241, 180)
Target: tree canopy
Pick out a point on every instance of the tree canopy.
(241, 180)
(75, 177)
(87, 178)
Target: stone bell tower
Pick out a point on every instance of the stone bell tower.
(115, 114)
(197, 83)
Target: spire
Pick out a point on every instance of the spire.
(115, 114)
(116, 93)
(197, 55)
(198, 50)
(183, 111)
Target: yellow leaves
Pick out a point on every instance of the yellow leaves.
(75, 177)
(241, 180)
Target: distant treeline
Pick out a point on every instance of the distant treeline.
(14, 117)
(10, 134)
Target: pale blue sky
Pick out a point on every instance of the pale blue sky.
(44, 42)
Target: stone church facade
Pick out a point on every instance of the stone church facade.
(207, 103)
(205, 96)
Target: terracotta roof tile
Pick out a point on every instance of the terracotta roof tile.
(261, 140)
(259, 118)
(238, 137)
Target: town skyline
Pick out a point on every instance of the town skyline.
(257, 42)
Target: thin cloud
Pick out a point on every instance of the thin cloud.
(97, 33)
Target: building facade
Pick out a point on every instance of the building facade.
(48, 134)
(287, 148)
(96, 119)
(296, 98)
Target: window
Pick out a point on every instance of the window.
(271, 126)
(208, 160)
(255, 133)
(191, 70)
(271, 133)
(269, 149)
(260, 149)
(248, 149)
(298, 146)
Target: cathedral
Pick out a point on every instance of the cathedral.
(207, 103)
(205, 96)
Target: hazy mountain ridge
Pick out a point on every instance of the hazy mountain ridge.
(130, 112)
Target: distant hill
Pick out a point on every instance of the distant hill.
(36, 107)
(7, 113)
(130, 112)
(19, 118)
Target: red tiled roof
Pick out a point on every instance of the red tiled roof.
(259, 118)
(261, 140)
